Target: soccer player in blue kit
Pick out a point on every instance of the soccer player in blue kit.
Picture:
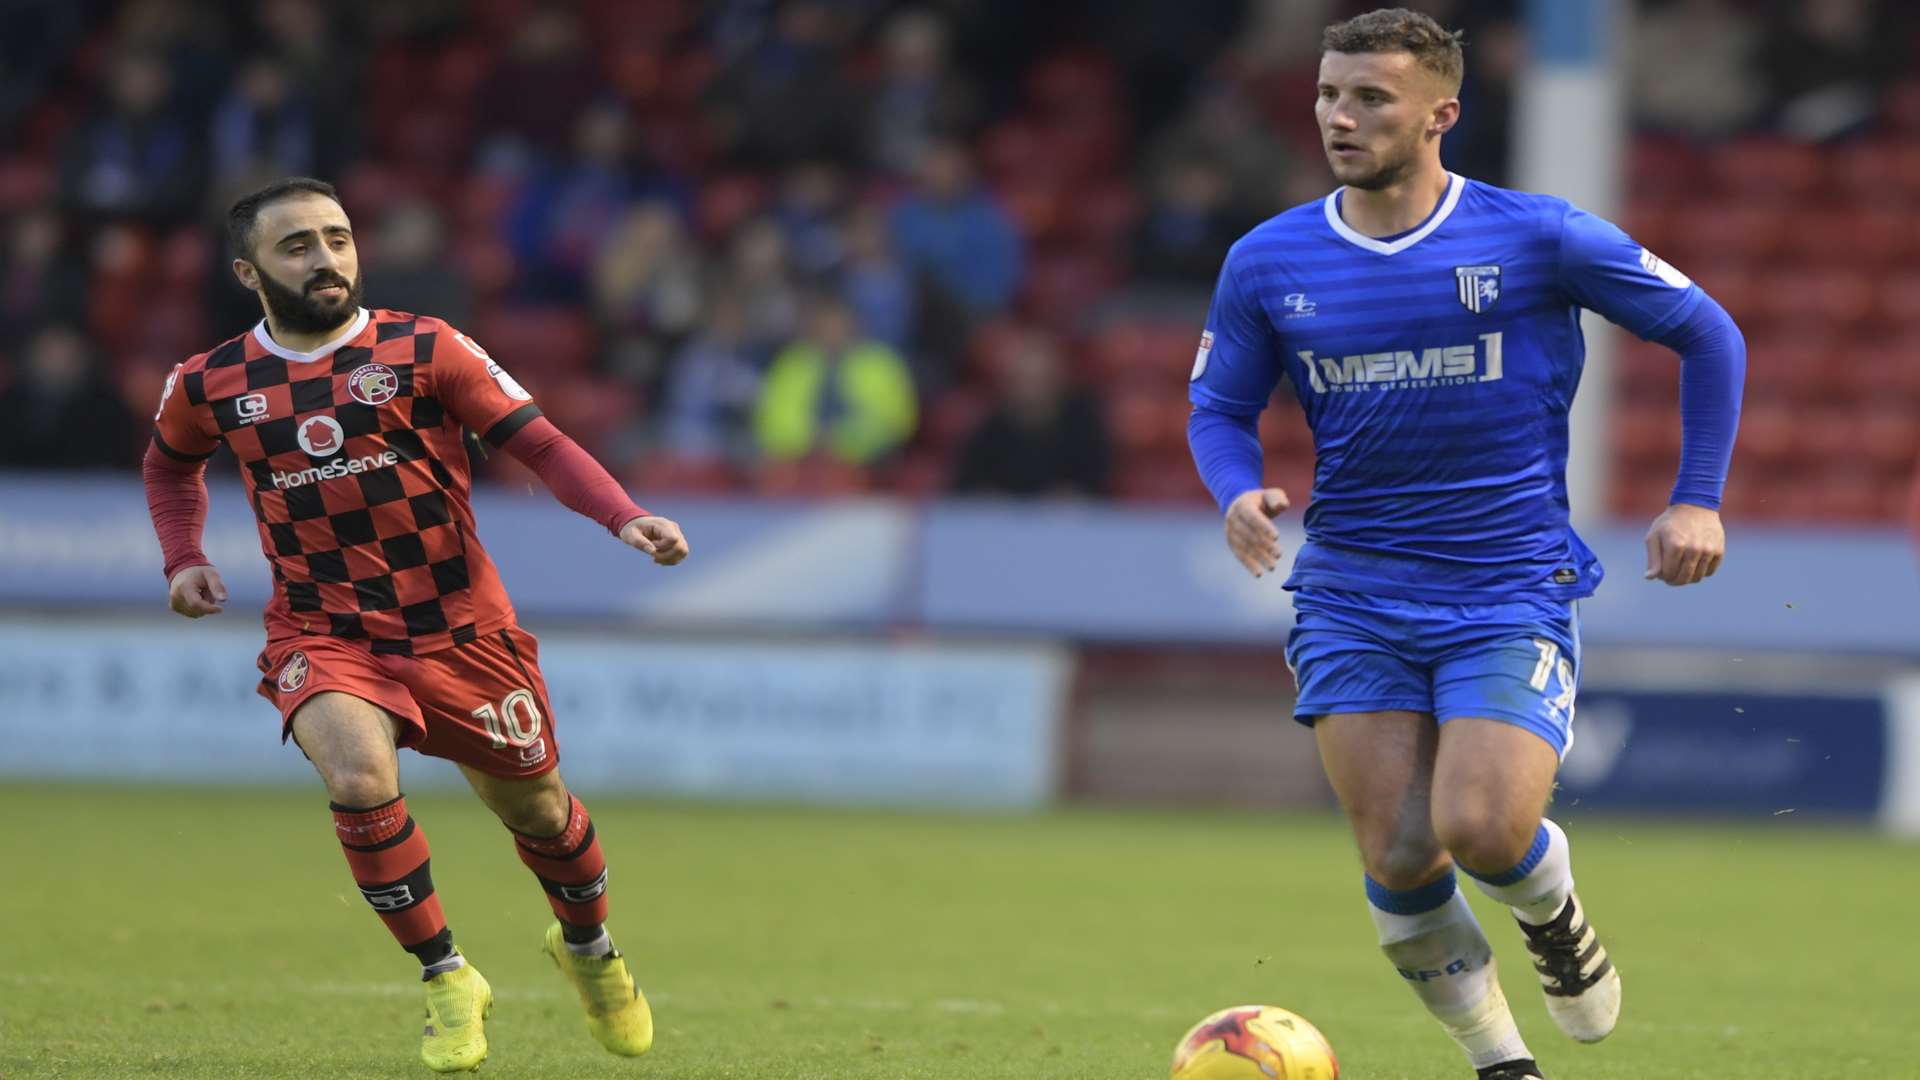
(1430, 327)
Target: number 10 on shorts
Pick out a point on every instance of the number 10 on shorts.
(514, 722)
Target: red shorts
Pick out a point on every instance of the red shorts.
(482, 704)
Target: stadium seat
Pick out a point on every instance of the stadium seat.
(674, 474)
(724, 202)
(591, 409)
(1897, 299)
(1644, 371)
(1661, 171)
(1103, 215)
(811, 478)
(1877, 170)
(923, 475)
(537, 341)
(1706, 231)
(1061, 288)
(1160, 480)
(24, 182)
(1823, 300)
(951, 418)
(1766, 168)
(1889, 435)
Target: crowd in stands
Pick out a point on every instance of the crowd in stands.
(806, 246)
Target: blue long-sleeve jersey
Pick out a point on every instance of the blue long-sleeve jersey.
(1436, 369)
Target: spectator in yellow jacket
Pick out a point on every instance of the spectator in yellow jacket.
(835, 392)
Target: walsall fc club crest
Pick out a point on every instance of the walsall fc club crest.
(293, 675)
(373, 384)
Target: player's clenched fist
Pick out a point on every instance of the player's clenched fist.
(197, 591)
(658, 537)
(1685, 545)
(1250, 532)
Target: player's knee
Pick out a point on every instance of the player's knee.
(362, 786)
(1401, 863)
(1484, 837)
(543, 813)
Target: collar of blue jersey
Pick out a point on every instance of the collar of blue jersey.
(1455, 185)
(352, 331)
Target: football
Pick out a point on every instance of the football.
(1254, 1042)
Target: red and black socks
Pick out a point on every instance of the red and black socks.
(388, 855)
(573, 872)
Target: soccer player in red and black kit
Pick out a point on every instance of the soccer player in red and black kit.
(388, 625)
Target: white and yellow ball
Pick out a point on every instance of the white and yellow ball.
(1254, 1042)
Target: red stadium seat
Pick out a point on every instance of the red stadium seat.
(1822, 301)
(1137, 421)
(23, 182)
(593, 410)
(1158, 479)
(1878, 171)
(1103, 214)
(811, 478)
(1866, 237)
(918, 476)
(1897, 302)
(1704, 232)
(1848, 493)
(1061, 289)
(1763, 168)
(1661, 171)
(662, 473)
(536, 342)
(951, 418)
(1644, 371)
(726, 201)
(1646, 433)
(1036, 204)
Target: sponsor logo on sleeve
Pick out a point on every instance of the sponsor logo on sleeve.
(166, 392)
(1658, 268)
(1200, 358)
(507, 384)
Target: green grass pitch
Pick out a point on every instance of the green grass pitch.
(171, 933)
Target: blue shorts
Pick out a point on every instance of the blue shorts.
(1518, 661)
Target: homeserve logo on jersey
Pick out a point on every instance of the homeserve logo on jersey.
(322, 436)
(1404, 369)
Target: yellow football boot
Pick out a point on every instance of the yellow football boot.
(455, 1038)
(617, 1012)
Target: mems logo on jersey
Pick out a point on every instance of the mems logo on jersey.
(1406, 369)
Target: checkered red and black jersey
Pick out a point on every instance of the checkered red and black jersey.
(354, 463)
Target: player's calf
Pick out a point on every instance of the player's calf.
(1434, 942)
(387, 853)
(573, 872)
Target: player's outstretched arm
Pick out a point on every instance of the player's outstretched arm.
(1685, 545)
(197, 591)
(657, 536)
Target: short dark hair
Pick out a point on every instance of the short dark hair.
(1398, 30)
(245, 211)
